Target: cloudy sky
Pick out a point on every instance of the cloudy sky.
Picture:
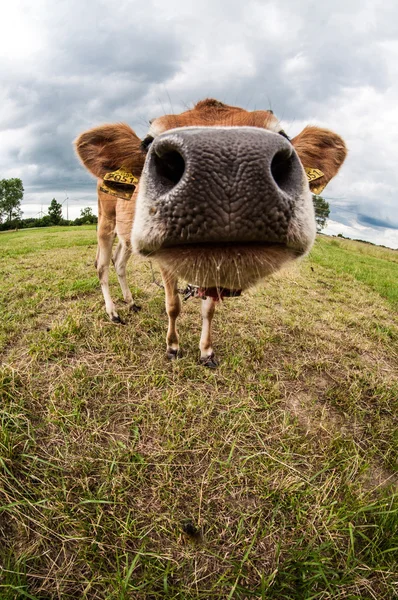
(71, 65)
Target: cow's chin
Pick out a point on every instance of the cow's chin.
(233, 267)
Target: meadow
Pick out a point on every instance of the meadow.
(124, 476)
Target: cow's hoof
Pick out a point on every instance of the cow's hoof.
(209, 361)
(135, 308)
(173, 354)
(117, 319)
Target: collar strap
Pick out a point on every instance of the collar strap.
(218, 293)
(194, 291)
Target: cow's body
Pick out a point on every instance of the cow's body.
(222, 201)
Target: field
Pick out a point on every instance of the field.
(124, 476)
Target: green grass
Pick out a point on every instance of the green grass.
(283, 462)
(28, 241)
(376, 267)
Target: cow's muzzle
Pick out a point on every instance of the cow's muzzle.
(207, 190)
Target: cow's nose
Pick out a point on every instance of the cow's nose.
(170, 154)
(223, 184)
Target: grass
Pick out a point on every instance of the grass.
(124, 476)
(375, 266)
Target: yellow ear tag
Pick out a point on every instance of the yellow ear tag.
(121, 176)
(313, 175)
(318, 190)
(120, 183)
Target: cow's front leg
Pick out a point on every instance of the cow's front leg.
(207, 357)
(120, 259)
(173, 309)
(104, 253)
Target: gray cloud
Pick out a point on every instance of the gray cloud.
(75, 65)
(368, 220)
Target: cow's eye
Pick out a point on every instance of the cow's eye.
(146, 143)
(281, 132)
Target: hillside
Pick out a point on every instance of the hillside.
(125, 476)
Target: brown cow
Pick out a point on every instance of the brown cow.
(224, 199)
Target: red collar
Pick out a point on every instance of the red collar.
(218, 293)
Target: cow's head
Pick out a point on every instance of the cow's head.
(223, 198)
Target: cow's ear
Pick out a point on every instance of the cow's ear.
(321, 150)
(109, 147)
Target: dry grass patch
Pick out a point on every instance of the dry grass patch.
(125, 476)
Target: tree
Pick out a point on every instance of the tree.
(45, 221)
(11, 194)
(55, 212)
(322, 212)
(86, 216)
(86, 212)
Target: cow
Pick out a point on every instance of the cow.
(218, 195)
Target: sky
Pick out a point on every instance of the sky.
(69, 66)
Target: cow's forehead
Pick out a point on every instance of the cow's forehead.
(211, 112)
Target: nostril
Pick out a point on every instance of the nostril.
(169, 166)
(281, 167)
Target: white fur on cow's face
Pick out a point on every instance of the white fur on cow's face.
(145, 227)
(157, 127)
(302, 227)
(235, 267)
